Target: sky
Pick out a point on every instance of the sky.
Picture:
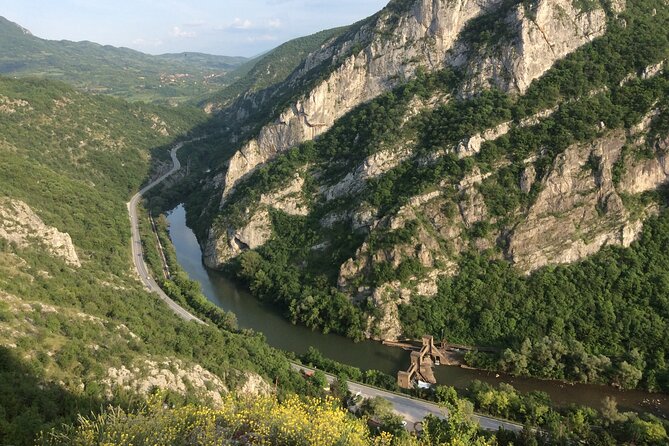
(223, 27)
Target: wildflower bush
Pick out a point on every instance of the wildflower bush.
(254, 421)
(258, 421)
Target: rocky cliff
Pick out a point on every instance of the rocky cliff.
(514, 158)
(20, 225)
(579, 209)
(525, 42)
(394, 44)
(397, 43)
(388, 48)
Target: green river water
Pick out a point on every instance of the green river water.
(370, 354)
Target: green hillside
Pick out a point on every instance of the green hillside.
(74, 159)
(120, 72)
(270, 68)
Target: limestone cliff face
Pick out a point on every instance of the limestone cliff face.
(221, 247)
(373, 166)
(394, 47)
(646, 174)
(144, 377)
(577, 211)
(19, 224)
(225, 244)
(385, 51)
(539, 34)
(472, 145)
(289, 199)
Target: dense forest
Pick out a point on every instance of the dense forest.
(606, 311)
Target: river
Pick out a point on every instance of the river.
(369, 354)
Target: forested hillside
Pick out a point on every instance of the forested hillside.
(269, 69)
(494, 214)
(77, 329)
(120, 72)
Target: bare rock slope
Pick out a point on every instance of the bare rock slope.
(388, 49)
(19, 224)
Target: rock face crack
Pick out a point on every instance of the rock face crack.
(664, 164)
(543, 34)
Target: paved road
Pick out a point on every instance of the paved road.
(414, 410)
(137, 252)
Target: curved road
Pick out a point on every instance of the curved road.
(413, 409)
(136, 242)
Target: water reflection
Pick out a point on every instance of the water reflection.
(279, 332)
(367, 355)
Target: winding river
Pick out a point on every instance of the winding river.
(369, 354)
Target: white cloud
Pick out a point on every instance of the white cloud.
(274, 23)
(195, 24)
(238, 23)
(180, 33)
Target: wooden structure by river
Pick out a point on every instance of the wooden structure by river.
(422, 361)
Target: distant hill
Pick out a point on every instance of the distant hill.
(120, 72)
(269, 68)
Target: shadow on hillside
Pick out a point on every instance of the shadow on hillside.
(209, 152)
(29, 404)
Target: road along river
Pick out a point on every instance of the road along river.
(368, 354)
(136, 243)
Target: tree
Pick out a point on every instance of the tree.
(376, 407)
(610, 411)
(339, 387)
(650, 432)
(627, 376)
(319, 380)
(447, 395)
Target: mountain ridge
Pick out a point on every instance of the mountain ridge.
(120, 71)
(354, 215)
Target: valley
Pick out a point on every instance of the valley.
(367, 355)
(199, 249)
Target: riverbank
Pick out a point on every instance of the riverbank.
(280, 333)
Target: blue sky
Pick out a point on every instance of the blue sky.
(226, 27)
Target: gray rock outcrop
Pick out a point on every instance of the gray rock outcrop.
(172, 375)
(19, 224)
(289, 199)
(221, 247)
(394, 47)
(535, 36)
(578, 210)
